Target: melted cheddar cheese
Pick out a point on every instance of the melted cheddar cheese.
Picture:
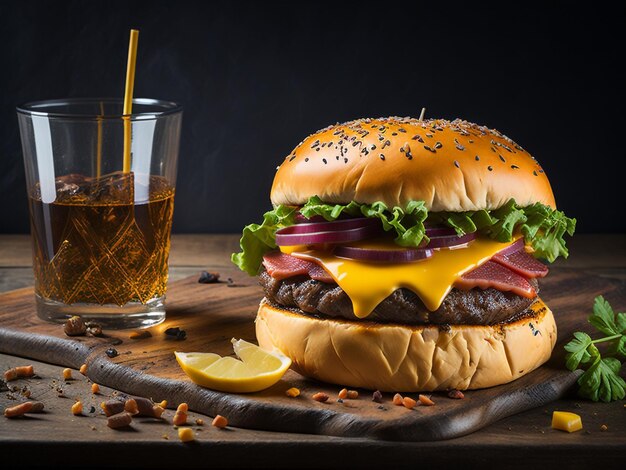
(368, 283)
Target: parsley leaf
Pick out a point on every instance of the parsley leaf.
(577, 350)
(601, 381)
(603, 317)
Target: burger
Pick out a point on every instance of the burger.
(404, 255)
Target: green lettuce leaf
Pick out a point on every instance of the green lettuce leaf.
(408, 223)
(257, 239)
(542, 227)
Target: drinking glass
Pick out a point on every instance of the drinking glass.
(100, 227)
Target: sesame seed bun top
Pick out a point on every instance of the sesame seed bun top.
(451, 165)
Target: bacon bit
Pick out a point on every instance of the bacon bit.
(37, 407)
(199, 422)
(95, 389)
(353, 394)
(18, 410)
(143, 407)
(343, 393)
(83, 369)
(220, 422)
(398, 400)
(293, 392)
(377, 397)
(424, 400)
(409, 403)
(112, 407)
(67, 374)
(119, 420)
(19, 372)
(456, 394)
(321, 397)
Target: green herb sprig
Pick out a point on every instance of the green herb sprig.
(601, 379)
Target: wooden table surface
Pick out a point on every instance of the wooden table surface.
(59, 438)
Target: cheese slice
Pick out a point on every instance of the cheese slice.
(368, 283)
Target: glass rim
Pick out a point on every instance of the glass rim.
(36, 108)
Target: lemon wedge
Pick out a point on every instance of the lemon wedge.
(256, 369)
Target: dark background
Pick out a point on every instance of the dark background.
(255, 78)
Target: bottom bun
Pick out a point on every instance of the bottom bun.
(402, 358)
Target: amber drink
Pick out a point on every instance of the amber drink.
(101, 240)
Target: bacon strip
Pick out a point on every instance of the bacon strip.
(281, 266)
(492, 274)
(522, 263)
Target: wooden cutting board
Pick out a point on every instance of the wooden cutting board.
(212, 314)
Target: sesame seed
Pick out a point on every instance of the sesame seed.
(324, 160)
(429, 149)
(292, 157)
(502, 158)
(306, 159)
(456, 164)
(535, 173)
(418, 138)
(382, 157)
(438, 145)
(386, 143)
(515, 167)
(337, 157)
(490, 168)
(476, 158)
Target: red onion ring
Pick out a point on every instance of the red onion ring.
(394, 256)
(334, 226)
(440, 232)
(300, 219)
(450, 241)
(512, 248)
(301, 235)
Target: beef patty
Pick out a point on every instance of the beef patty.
(472, 307)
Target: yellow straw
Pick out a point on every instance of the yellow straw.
(99, 143)
(128, 95)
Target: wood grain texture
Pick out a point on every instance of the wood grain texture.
(212, 314)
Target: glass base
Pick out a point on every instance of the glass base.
(108, 316)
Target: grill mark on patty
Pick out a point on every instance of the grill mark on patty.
(472, 307)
